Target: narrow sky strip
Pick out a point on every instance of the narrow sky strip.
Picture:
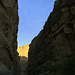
(32, 16)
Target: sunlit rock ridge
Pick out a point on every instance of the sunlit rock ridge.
(9, 60)
(23, 53)
(52, 52)
(23, 50)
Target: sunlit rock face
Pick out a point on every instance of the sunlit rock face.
(55, 43)
(23, 53)
(8, 35)
(23, 50)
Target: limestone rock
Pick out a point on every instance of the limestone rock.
(56, 42)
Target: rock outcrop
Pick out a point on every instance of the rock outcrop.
(23, 63)
(8, 35)
(23, 50)
(55, 44)
(23, 53)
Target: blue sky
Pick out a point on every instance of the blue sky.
(32, 16)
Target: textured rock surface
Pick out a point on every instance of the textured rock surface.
(23, 50)
(8, 34)
(23, 63)
(23, 53)
(56, 42)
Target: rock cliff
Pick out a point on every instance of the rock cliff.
(23, 53)
(55, 44)
(8, 35)
(23, 50)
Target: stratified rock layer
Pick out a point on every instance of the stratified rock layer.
(8, 35)
(55, 43)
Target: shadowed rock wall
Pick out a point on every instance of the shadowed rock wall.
(55, 43)
(8, 35)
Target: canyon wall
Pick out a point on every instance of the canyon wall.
(23, 54)
(55, 44)
(8, 35)
(23, 50)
